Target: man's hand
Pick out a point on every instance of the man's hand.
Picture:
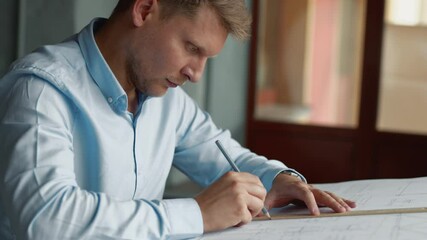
(288, 189)
(232, 200)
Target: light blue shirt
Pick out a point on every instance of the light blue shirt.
(75, 164)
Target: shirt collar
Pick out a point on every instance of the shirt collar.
(99, 69)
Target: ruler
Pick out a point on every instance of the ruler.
(347, 214)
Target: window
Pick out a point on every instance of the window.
(309, 61)
(403, 89)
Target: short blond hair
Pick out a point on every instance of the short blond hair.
(233, 14)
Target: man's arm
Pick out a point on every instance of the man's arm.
(39, 188)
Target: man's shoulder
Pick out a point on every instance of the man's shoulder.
(59, 64)
(53, 60)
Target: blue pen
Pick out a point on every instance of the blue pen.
(236, 169)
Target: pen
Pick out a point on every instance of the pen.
(236, 169)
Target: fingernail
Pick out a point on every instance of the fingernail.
(315, 211)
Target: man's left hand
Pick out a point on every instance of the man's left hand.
(288, 189)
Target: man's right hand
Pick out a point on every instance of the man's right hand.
(233, 200)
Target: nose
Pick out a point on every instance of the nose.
(194, 70)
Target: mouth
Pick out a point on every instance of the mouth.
(171, 84)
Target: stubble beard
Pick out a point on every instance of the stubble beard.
(132, 76)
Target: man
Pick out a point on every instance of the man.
(91, 127)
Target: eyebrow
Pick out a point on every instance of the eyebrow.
(202, 49)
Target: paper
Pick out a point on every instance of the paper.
(376, 227)
(384, 194)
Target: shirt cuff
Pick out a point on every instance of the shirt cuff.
(185, 218)
(274, 168)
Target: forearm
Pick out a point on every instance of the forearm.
(53, 211)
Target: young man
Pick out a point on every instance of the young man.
(91, 127)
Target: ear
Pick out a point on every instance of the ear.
(141, 10)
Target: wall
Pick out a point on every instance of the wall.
(43, 22)
(8, 39)
(85, 11)
(227, 88)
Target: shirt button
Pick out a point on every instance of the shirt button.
(110, 99)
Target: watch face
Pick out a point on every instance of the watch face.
(295, 174)
(290, 174)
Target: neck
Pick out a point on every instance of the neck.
(111, 41)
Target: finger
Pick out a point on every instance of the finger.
(257, 191)
(255, 199)
(352, 204)
(340, 200)
(330, 200)
(310, 201)
(242, 177)
(250, 184)
(348, 204)
(247, 207)
(255, 206)
(250, 196)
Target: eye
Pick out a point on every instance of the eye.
(192, 48)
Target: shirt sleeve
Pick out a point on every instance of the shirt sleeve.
(199, 158)
(39, 192)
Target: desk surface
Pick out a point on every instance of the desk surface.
(370, 195)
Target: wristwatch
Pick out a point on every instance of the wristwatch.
(290, 173)
(295, 174)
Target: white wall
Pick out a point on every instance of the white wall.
(86, 10)
(43, 22)
(227, 88)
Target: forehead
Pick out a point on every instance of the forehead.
(203, 30)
